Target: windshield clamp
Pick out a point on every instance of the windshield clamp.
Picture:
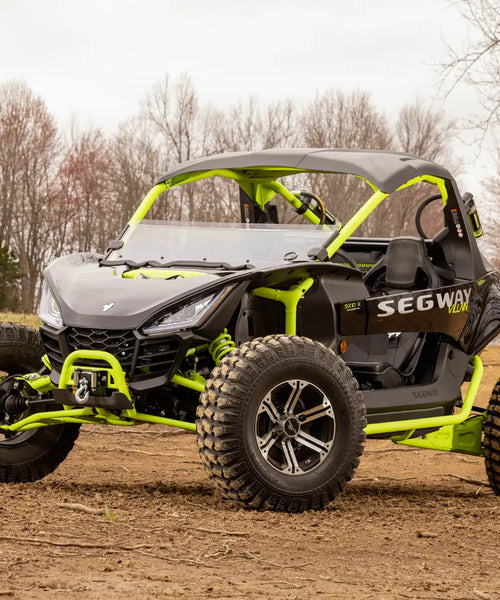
(318, 254)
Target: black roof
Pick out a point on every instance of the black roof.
(386, 170)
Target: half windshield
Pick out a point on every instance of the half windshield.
(232, 244)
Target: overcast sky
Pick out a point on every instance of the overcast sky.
(96, 60)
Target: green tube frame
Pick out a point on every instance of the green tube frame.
(289, 298)
(132, 417)
(116, 376)
(92, 416)
(430, 422)
(261, 185)
(116, 380)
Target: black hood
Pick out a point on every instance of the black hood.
(83, 289)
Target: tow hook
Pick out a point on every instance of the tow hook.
(91, 387)
(82, 393)
(86, 383)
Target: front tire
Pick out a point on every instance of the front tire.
(32, 454)
(280, 425)
(491, 439)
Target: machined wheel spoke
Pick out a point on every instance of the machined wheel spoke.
(322, 410)
(295, 426)
(266, 443)
(291, 459)
(297, 387)
(268, 407)
(311, 442)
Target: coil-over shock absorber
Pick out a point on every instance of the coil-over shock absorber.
(220, 346)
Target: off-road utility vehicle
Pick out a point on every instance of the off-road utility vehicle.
(282, 347)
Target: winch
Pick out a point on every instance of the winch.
(87, 382)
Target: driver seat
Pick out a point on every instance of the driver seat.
(405, 266)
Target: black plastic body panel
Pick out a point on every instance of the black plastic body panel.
(483, 324)
(316, 315)
(434, 398)
(387, 170)
(317, 318)
(258, 317)
(469, 313)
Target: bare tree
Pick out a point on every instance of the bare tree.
(239, 129)
(16, 112)
(425, 132)
(136, 164)
(173, 113)
(478, 61)
(491, 218)
(29, 146)
(338, 119)
(85, 174)
(249, 126)
(280, 125)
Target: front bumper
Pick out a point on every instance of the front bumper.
(146, 361)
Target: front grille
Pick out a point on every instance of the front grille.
(53, 348)
(120, 344)
(155, 356)
(139, 358)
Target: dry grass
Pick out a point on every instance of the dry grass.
(24, 319)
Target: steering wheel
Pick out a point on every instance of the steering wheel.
(312, 202)
(420, 210)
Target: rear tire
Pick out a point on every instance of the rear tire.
(29, 455)
(280, 425)
(491, 439)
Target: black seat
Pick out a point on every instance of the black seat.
(405, 266)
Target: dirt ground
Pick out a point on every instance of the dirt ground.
(131, 514)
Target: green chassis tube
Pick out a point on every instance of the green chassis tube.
(289, 298)
(116, 380)
(261, 188)
(455, 434)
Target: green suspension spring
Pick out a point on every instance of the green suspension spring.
(222, 344)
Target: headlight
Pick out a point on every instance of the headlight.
(50, 312)
(189, 315)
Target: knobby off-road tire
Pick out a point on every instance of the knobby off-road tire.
(491, 439)
(280, 425)
(29, 455)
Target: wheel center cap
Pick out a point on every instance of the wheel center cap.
(291, 426)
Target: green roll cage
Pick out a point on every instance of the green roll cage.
(455, 433)
(261, 186)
